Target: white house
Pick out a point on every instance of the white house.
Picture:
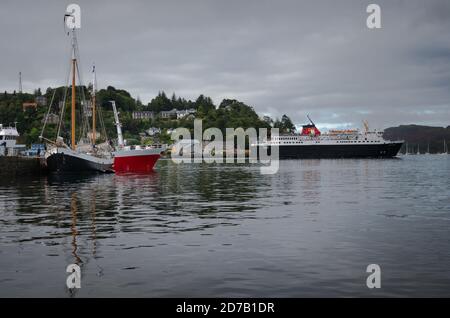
(185, 112)
(153, 131)
(143, 115)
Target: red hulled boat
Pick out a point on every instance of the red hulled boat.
(138, 160)
(133, 159)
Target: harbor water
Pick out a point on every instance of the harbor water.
(226, 230)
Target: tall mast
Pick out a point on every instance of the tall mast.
(74, 69)
(118, 125)
(20, 82)
(94, 88)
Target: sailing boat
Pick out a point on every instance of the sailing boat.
(428, 149)
(418, 149)
(82, 157)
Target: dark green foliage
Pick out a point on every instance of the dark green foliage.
(230, 113)
(285, 126)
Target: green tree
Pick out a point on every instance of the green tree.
(285, 125)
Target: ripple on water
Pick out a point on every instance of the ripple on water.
(227, 230)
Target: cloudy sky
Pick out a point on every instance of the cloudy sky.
(293, 57)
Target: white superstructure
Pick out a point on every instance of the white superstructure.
(333, 137)
(8, 141)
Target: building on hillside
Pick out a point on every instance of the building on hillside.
(41, 100)
(168, 114)
(51, 119)
(143, 115)
(185, 112)
(29, 105)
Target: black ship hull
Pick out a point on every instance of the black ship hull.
(77, 163)
(386, 150)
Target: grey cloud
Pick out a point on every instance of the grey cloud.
(293, 57)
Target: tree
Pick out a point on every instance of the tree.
(204, 104)
(160, 103)
(48, 92)
(285, 125)
(37, 92)
(33, 136)
(268, 120)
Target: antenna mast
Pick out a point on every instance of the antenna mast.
(20, 82)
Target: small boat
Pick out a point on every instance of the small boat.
(133, 159)
(8, 138)
(12, 160)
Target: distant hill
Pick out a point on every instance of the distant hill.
(416, 135)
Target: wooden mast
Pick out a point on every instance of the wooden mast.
(74, 62)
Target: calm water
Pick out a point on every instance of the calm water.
(227, 230)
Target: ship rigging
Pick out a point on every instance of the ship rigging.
(86, 154)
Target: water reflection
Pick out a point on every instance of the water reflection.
(73, 229)
(311, 179)
(199, 230)
(174, 199)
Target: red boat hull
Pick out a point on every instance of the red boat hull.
(135, 161)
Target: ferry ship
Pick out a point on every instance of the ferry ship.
(348, 143)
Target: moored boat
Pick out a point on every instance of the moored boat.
(136, 159)
(133, 159)
(8, 138)
(64, 159)
(84, 156)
